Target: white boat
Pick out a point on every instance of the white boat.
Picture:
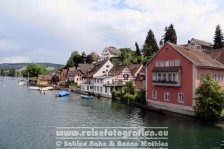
(21, 83)
(46, 88)
(86, 97)
(34, 88)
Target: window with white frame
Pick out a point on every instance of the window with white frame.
(177, 62)
(154, 94)
(180, 97)
(218, 77)
(166, 96)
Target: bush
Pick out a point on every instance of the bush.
(128, 97)
(209, 102)
(116, 94)
(140, 96)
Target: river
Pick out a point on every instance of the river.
(28, 119)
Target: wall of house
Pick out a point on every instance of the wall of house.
(186, 80)
(216, 74)
(123, 73)
(104, 69)
(99, 86)
(78, 78)
(105, 54)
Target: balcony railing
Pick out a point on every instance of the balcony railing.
(166, 83)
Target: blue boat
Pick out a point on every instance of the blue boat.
(86, 97)
(63, 93)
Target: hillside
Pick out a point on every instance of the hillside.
(22, 65)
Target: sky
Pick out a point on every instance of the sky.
(49, 30)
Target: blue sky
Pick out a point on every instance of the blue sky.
(49, 30)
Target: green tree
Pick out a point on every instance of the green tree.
(150, 46)
(138, 52)
(33, 70)
(126, 54)
(12, 72)
(170, 35)
(218, 37)
(129, 88)
(2, 73)
(209, 100)
(75, 59)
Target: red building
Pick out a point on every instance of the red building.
(173, 75)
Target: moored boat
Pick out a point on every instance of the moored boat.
(46, 88)
(21, 83)
(34, 88)
(63, 93)
(86, 97)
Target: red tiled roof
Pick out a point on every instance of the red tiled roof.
(197, 57)
(113, 50)
(217, 54)
(95, 69)
(45, 77)
(202, 42)
(84, 68)
(200, 59)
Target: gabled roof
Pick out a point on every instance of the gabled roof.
(84, 68)
(95, 69)
(72, 73)
(116, 70)
(113, 50)
(202, 42)
(195, 56)
(45, 77)
(217, 54)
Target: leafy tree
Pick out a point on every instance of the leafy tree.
(170, 35)
(75, 59)
(218, 37)
(129, 88)
(89, 59)
(2, 73)
(33, 70)
(12, 73)
(150, 46)
(209, 102)
(126, 53)
(138, 52)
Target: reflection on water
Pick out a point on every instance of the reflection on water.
(29, 119)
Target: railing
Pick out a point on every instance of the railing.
(166, 83)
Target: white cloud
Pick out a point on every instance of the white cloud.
(7, 45)
(15, 59)
(88, 25)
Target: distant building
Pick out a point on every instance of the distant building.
(110, 52)
(76, 75)
(199, 44)
(44, 80)
(173, 75)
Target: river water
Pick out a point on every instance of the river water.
(28, 119)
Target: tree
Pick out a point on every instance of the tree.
(150, 46)
(89, 59)
(126, 53)
(12, 72)
(218, 37)
(209, 100)
(170, 35)
(129, 88)
(2, 73)
(84, 57)
(75, 59)
(33, 70)
(138, 52)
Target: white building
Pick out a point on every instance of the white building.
(110, 52)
